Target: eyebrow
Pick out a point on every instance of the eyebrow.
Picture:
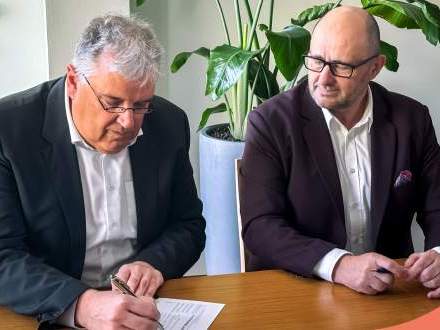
(117, 99)
(333, 62)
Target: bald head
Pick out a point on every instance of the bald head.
(350, 25)
(343, 58)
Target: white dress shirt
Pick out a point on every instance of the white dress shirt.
(352, 149)
(110, 210)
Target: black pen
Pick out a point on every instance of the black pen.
(383, 270)
(125, 289)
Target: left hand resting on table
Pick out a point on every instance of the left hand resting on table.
(425, 268)
(142, 278)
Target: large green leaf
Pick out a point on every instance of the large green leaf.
(391, 54)
(288, 46)
(139, 2)
(225, 66)
(208, 112)
(315, 12)
(404, 15)
(266, 85)
(431, 11)
(181, 58)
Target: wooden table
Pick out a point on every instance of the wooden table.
(278, 300)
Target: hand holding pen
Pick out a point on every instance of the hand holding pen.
(369, 273)
(125, 289)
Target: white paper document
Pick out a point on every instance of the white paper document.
(178, 314)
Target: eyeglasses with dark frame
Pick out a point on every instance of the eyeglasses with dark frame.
(337, 68)
(136, 110)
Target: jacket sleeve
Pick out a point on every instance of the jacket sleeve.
(428, 192)
(268, 227)
(27, 284)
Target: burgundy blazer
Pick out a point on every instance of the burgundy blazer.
(291, 200)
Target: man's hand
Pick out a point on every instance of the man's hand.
(112, 310)
(359, 272)
(425, 268)
(142, 278)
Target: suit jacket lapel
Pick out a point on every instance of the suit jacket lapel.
(320, 145)
(144, 166)
(383, 149)
(60, 157)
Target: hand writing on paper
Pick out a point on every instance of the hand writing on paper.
(425, 268)
(112, 310)
(142, 278)
(360, 272)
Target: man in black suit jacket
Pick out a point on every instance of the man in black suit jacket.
(95, 178)
(334, 170)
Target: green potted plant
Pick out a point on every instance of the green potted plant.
(248, 72)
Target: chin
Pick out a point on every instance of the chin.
(112, 148)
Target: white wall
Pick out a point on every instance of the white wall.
(66, 19)
(23, 45)
(187, 25)
(38, 37)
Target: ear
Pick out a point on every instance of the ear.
(377, 66)
(72, 81)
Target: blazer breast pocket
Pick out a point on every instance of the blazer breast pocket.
(403, 188)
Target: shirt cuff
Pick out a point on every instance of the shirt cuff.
(324, 267)
(436, 249)
(68, 317)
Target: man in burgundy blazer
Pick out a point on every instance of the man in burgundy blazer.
(291, 201)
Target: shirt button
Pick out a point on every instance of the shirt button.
(352, 170)
(354, 205)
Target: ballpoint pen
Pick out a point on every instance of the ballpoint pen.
(125, 289)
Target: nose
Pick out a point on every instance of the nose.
(326, 77)
(126, 119)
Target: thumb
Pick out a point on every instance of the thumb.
(412, 260)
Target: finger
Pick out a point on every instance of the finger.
(388, 279)
(134, 280)
(155, 284)
(430, 272)
(143, 285)
(136, 322)
(420, 265)
(392, 266)
(411, 259)
(145, 307)
(124, 273)
(378, 285)
(434, 294)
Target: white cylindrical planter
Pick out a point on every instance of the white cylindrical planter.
(217, 190)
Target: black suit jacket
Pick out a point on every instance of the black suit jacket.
(42, 219)
(292, 206)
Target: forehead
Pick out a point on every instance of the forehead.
(339, 41)
(113, 83)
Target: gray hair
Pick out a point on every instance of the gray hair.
(130, 43)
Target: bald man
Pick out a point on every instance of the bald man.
(334, 169)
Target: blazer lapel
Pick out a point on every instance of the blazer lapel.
(383, 149)
(144, 166)
(60, 157)
(320, 145)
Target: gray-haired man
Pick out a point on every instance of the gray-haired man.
(95, 179)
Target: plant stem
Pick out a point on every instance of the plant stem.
(271, 5)
(225, 27)
(238, 21)
(251, 21)
(254, 24)
(228, 110)
(242, 96)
